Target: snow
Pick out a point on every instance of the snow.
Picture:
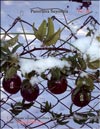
(41, 65)
(86, 45)
(83, 74)
(82, 44)
(34, 80)
(94, 50)
(89, 47)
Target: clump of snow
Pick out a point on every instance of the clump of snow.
(26, 65)
(83, 74)
(89, 47)
(82, 44)
(94, 50)
(34, 80)
(41, 65)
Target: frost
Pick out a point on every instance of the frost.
(41, 65)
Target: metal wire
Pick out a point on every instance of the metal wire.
(28, 120)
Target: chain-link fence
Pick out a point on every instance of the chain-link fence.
(49, 110)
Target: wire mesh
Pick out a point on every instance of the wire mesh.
(62, 106)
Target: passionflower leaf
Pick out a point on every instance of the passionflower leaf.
(10, 72)
(41, 32)
(87, 82)
(80, 118)
(11, 42)
(94, 64)
(50, 29)
(53, 39)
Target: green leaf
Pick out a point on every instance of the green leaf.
(5, 50)
(53, 39)
(58, 115)
(76, 91)
(26, 83)
(11, 42)
(19, 107)
(46, 108)
(16, 108)
(27, 106)
(13, 60)
(50, 28)
(98, 112)
(91, 114)
(3, 56)
(71, 108)
(73, 61)
(34, 29)
(15, 111)
(62, 122)
(44, 76)
(10, 72)
(88, 34)
(95, 119)
(85, 81)
(4, 65)
(98, 38)
(80, 118)
(56, 73)
(15, 48)
(41, 32)
(29, 75)
(94, 64)
(82, 63)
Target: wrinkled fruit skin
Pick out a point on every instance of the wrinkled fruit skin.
(31, 93)
(57, 87)
(12, 85)
(81, 97)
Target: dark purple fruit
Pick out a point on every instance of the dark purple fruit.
(12, 85)
(57, 86)
(29, 92)
(81, 97)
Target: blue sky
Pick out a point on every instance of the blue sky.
(22, 9)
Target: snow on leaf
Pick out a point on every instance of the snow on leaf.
(83, 74)
(89, 47)
(82, 44)
(94, 50)
(41, 65)
(34, 80)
